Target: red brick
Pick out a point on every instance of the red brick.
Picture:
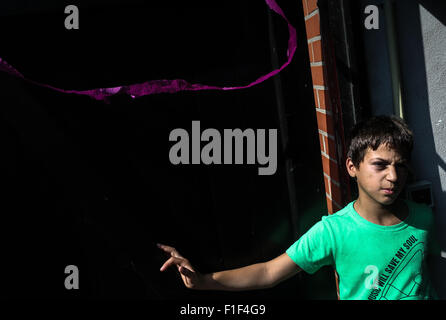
(317, 50)
(305, 6)
(310, 52)
(329, 206)
(317, 74)
(324, 99)
(330, 147)
(313, 27)
(327, 185)
(311, 5)
(321, 142)
(330, 168)
(315, 97)
(336, 194)
(324, 122)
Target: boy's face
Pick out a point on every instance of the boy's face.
(381, 175)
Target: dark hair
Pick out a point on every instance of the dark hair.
(388, 130)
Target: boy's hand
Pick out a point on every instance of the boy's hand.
(192, 279)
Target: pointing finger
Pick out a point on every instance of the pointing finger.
(171, 250)
(171, 261)
(164, 247)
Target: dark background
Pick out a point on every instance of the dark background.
(90, 184)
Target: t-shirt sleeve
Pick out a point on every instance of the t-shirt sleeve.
(314, 249)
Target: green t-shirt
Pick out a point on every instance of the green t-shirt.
(373, 262)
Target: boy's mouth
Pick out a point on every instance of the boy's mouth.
(389, 191)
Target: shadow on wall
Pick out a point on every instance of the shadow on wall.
(420, 107)
(436, 8)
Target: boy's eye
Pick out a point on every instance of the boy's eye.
(380, 165)
(383, 165)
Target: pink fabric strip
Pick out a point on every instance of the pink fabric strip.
(166, 86)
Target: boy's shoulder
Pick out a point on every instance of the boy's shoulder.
(421, 215)
(418, 207)
(342, 216)
(344, 212)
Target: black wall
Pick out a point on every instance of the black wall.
(90, 184)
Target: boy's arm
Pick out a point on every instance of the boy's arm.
(255, 276)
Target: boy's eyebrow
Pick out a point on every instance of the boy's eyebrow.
(387, 161)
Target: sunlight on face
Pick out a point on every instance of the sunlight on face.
(381, 175)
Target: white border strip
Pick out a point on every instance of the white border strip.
(315, 12)
(328, 157)
(326, 134)
(332, 180)
(317, 64)
(314, 39)
(327, 112)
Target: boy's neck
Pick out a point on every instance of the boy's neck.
(385, 215)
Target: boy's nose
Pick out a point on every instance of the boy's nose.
(392, 174)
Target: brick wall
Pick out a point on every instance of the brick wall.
(323, 105)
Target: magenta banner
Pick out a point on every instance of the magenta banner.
(163, 85)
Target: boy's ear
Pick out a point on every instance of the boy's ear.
(351, 169)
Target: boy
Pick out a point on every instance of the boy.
(376, 243)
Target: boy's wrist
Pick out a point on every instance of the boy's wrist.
(206, 282)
